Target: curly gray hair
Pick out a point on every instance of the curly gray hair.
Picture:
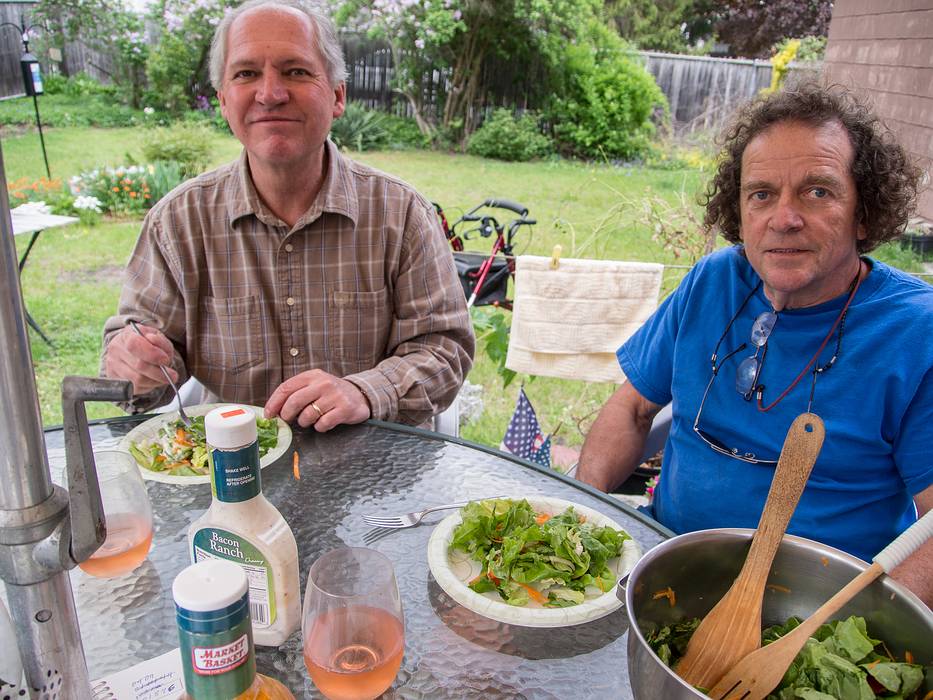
(324, 30)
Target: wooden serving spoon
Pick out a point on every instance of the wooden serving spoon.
(755, 676)
(732, 629)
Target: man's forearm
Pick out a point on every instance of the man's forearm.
(615, 443)
(411, 388)
(917, 570)
(917, 573)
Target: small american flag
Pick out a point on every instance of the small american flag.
(523, 437)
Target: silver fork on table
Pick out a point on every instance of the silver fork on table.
(412, 519)
(181, 409)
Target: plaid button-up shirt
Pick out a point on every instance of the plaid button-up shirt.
(363, 286)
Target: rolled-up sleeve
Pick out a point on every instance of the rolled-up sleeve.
(151, 296)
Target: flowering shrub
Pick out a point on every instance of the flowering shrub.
(25, 190)
(88, 209)
(650, 487)
(122, 191)
(45, 191)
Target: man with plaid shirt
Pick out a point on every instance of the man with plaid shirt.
(294, 277)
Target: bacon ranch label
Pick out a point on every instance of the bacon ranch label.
(209, 661)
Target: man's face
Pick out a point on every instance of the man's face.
(797, 206)
(275, 93)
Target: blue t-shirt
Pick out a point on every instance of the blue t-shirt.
(876, 402)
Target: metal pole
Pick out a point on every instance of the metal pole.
(35, 531)
(45, 157)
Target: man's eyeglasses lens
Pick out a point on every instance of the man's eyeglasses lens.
(746, 376)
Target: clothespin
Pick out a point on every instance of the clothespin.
(555, 257)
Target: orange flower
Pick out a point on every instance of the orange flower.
(147, 196)
(116, 189)
(133, 195)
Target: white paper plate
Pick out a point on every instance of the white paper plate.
(149, 431)
(453, 569)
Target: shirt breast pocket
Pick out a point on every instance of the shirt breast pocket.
(231, 333)
(359, 324)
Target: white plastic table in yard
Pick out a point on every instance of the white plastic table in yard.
(26, 220)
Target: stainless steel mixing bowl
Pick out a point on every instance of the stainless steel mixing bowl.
(701, 566)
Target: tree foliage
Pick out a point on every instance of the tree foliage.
(106, 26)
(178, 65)
(662, 25)
(751, 27)
(467, 40)
(606, 102)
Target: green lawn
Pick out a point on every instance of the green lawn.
(72, 281)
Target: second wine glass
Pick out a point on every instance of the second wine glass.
(127, 513)
(352, 624)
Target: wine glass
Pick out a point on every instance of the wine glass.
(352, 624)
(127, 513)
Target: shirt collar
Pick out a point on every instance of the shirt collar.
(337, 195)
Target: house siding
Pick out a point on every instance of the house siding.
(884, 50)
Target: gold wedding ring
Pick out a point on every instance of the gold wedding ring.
(320, 413)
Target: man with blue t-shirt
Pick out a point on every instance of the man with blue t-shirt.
(792, 318)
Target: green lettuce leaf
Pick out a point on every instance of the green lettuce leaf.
(557, 558)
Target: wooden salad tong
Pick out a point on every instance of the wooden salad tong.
(755, 676)
(732, 629)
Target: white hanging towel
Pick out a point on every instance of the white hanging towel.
(569, 322)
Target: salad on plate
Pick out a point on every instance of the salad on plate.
(536, 559)
(181, 450)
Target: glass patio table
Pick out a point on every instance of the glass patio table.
(380, 468)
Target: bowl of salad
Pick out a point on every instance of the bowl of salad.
(168, 451)
(535, 562)
(878, 645)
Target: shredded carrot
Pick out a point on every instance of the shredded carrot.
(581, 518)
(181, 438)
(295, 470)
(928, 696)
(908, 657)
(492, 577)
(777, 588)
(666, 593)
(160, 458)
(825, 561)
(536, 596)
(876, 661)
(542, 518)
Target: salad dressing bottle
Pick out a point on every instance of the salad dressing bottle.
(241, 526)
(215, 635)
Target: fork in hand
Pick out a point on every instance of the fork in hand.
(181, 410)
(412, 519)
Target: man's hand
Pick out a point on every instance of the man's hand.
(137, 358)
(319, 399)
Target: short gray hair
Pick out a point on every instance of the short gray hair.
(323, 27)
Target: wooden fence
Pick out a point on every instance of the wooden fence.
(701, 91)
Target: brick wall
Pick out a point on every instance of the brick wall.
(885, 50)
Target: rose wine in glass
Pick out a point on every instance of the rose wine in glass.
(128, 538)
(127, 515)
(352, 624)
